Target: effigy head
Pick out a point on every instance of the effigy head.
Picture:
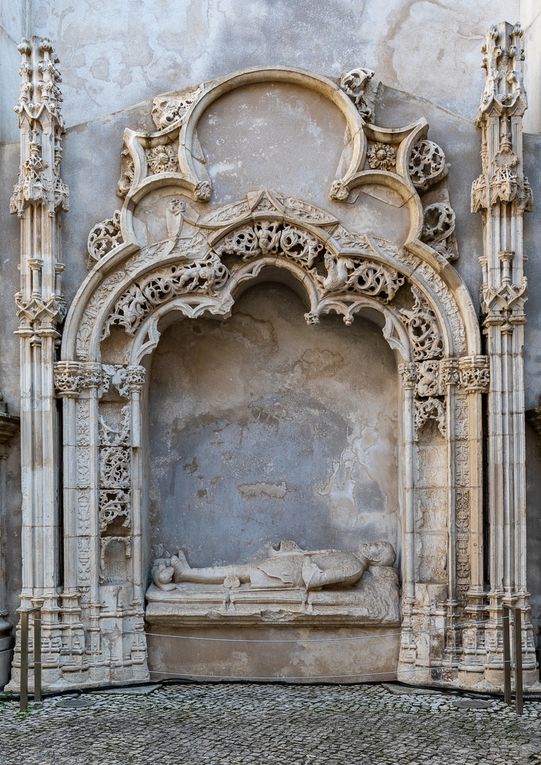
(378, 553)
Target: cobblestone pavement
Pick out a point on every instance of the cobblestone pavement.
(252, 724)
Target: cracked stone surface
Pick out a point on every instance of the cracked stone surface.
(250, 724)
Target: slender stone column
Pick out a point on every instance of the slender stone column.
(38, 198)
(502, 194)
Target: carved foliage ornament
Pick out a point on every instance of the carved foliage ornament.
(104, 237)
(114, 473)
(167, 110)
(162, 159)
(270, 238)
(423, 329)
(342, 278)
(427, 164)
(127, 172)
(438, 229)
(430, 408)
(206, 275)
(355, 84)
(364, 277)
(381, 156)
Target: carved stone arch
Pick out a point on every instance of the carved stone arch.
(431, 327)
(197, 265)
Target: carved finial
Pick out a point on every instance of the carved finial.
(355, 85)
(503, 54)
(504, 97)
(40, 120)
(40, 80)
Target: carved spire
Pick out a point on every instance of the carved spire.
(503, 54)
(503, 104)
(502, 194)
(41, 125)
(39, 186)
(38, 199)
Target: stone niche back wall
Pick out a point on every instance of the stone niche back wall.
(263, 428)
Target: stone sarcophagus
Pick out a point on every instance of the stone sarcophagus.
(272, 343)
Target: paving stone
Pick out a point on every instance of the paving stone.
(134, 690)
(232, 724)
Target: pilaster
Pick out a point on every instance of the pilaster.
(38, 199)
(502, 194)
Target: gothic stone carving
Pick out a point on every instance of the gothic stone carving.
(438, 229)
(206, 257)
(422, 328)
(167, 110)
(355, 84)
(162, 159)
(361, 585)
(206, 275)
(104, 237)
(381, 156)
(427, 164)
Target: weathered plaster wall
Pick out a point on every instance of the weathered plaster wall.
(116, 54)
(263, 428)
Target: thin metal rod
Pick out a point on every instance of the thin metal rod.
(23, 704)
(37, 655)
(506, 656)
(518, 661)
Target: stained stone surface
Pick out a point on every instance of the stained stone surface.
(112, 56)
(256, 725)
(263, 428)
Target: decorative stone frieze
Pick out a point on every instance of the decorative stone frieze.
(206, 276)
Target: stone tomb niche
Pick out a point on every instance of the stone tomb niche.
(263, 430)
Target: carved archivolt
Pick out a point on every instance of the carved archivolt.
(206, 275)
